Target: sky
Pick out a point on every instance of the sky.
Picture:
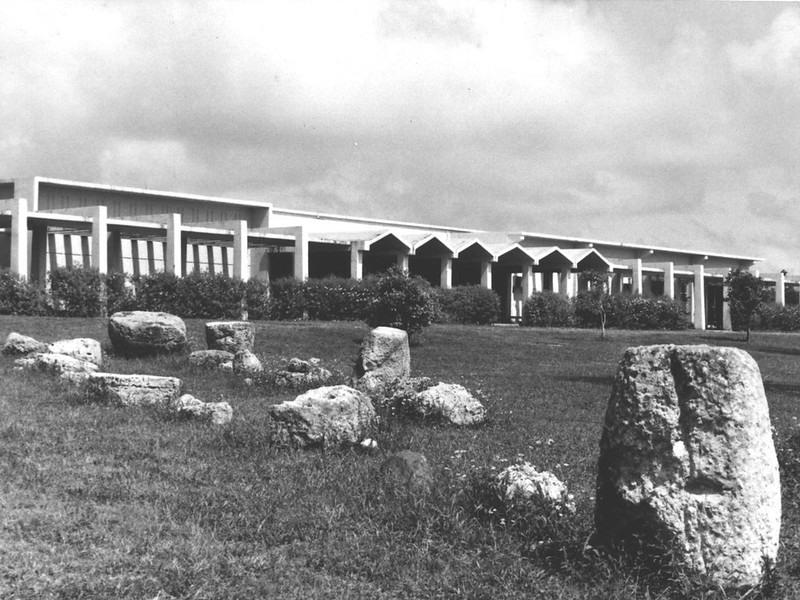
(665, 123)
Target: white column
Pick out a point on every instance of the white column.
(100, 239)
(446, 276)
(300, 254)
(356, 262)
(726, 310)
(699, 298)
(636, 267)
(486, 274)
(38, 253)
(527, 282)
(19, 237)
(780, 289)
(402, 262)
(173, 259)
(564, 283)
(669, 280)
(241, 256)
(538, 282)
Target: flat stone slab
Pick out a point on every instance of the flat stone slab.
(209, 359)
(87, 349)
(132, 390)
(231, 336)
(189, 407)
(143, 333)
(55, 364)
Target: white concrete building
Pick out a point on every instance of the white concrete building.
(47, 222)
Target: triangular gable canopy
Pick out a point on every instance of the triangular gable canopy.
(585, 259)
(550, 257)
(432, 245)
(474, 249)
(383, 240)
(388, 241)
(514, 254)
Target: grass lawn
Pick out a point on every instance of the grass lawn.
(102, 502)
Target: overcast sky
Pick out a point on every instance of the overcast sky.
(673, 124)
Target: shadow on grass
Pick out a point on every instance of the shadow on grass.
(605, 380)
(782, 387)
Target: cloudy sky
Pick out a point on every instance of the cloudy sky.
(674, 124)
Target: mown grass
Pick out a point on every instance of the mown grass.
(100, 502)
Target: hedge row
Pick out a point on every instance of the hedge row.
(405, 300)
(547, 309)
(773, 317)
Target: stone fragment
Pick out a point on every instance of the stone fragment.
(687, 461)
(303, 373)
(18, 344)
(523, 482)
(189, 407)
(448, 402)
(246, 363)
(132, 390)
(86, 349)
(383, 360)
(327, 417)
(209, 359)
(55, 364)
(297, 365)
(142, 333)
(230, 336)
(407, 468)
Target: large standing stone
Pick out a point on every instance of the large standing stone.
(141, 333)
(230, 336)
(687, 459)
(327, 416)
(132, 390)
(383, 360)
(448, 402)
(81, 348)
(18, 344)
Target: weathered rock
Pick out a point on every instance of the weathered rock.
(327, 416)
(303, 373)
(407, 468)
(687, 461)
(82, 348)
(448, 402)
(142, 333)
(18, 345)
(189, 407)
(230, 336)
(55, 364)
(210, 359)
(523, 482)
(384, 359)
(246, 363)
(132, 390)
(297, 365)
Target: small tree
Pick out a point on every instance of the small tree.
(598, 297)
(746, 292)
(401, 301)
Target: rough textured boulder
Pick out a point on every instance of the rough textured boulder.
(230, 336)
(523, 482)
(246, 363)
(210, 359)
(142, 333)
(448, 402)
(383, 360)
(300, 372)
(189, 407)
(81, 348)
(327, 417)
(132, 390)
(407, 468)
(19, 345)
(55, 364)
(687, 460)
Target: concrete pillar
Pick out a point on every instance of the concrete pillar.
(137, 266)
(241, 255)
(527, 282)
(19, 237)
(196, 258)
(174, 260)
(300, 254)
(538, 282)
(86, 252)
(69, 254)
(669, 280)
(114, 253)
(446, 275)
(636, 268)
(402, 262)
(38, 270)
(52, 251)
(486, 274)
(151, 257)
(211, 260)
(100, 239)
(356, 262)
(564, 283)
(780, 289)
(699, 298)
(726, 310)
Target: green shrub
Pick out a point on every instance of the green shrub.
(120, 293)
(774, 317)
(18, 296)
(547, 309)
(337, 299)
(468, 304)
(635, 312)
(256, 299)
(158, 292)
(401, 301)
(76, 292)
(287, 299)
(210, 296)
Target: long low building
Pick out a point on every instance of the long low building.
(46, 223)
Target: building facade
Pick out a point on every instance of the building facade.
(46, 223)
